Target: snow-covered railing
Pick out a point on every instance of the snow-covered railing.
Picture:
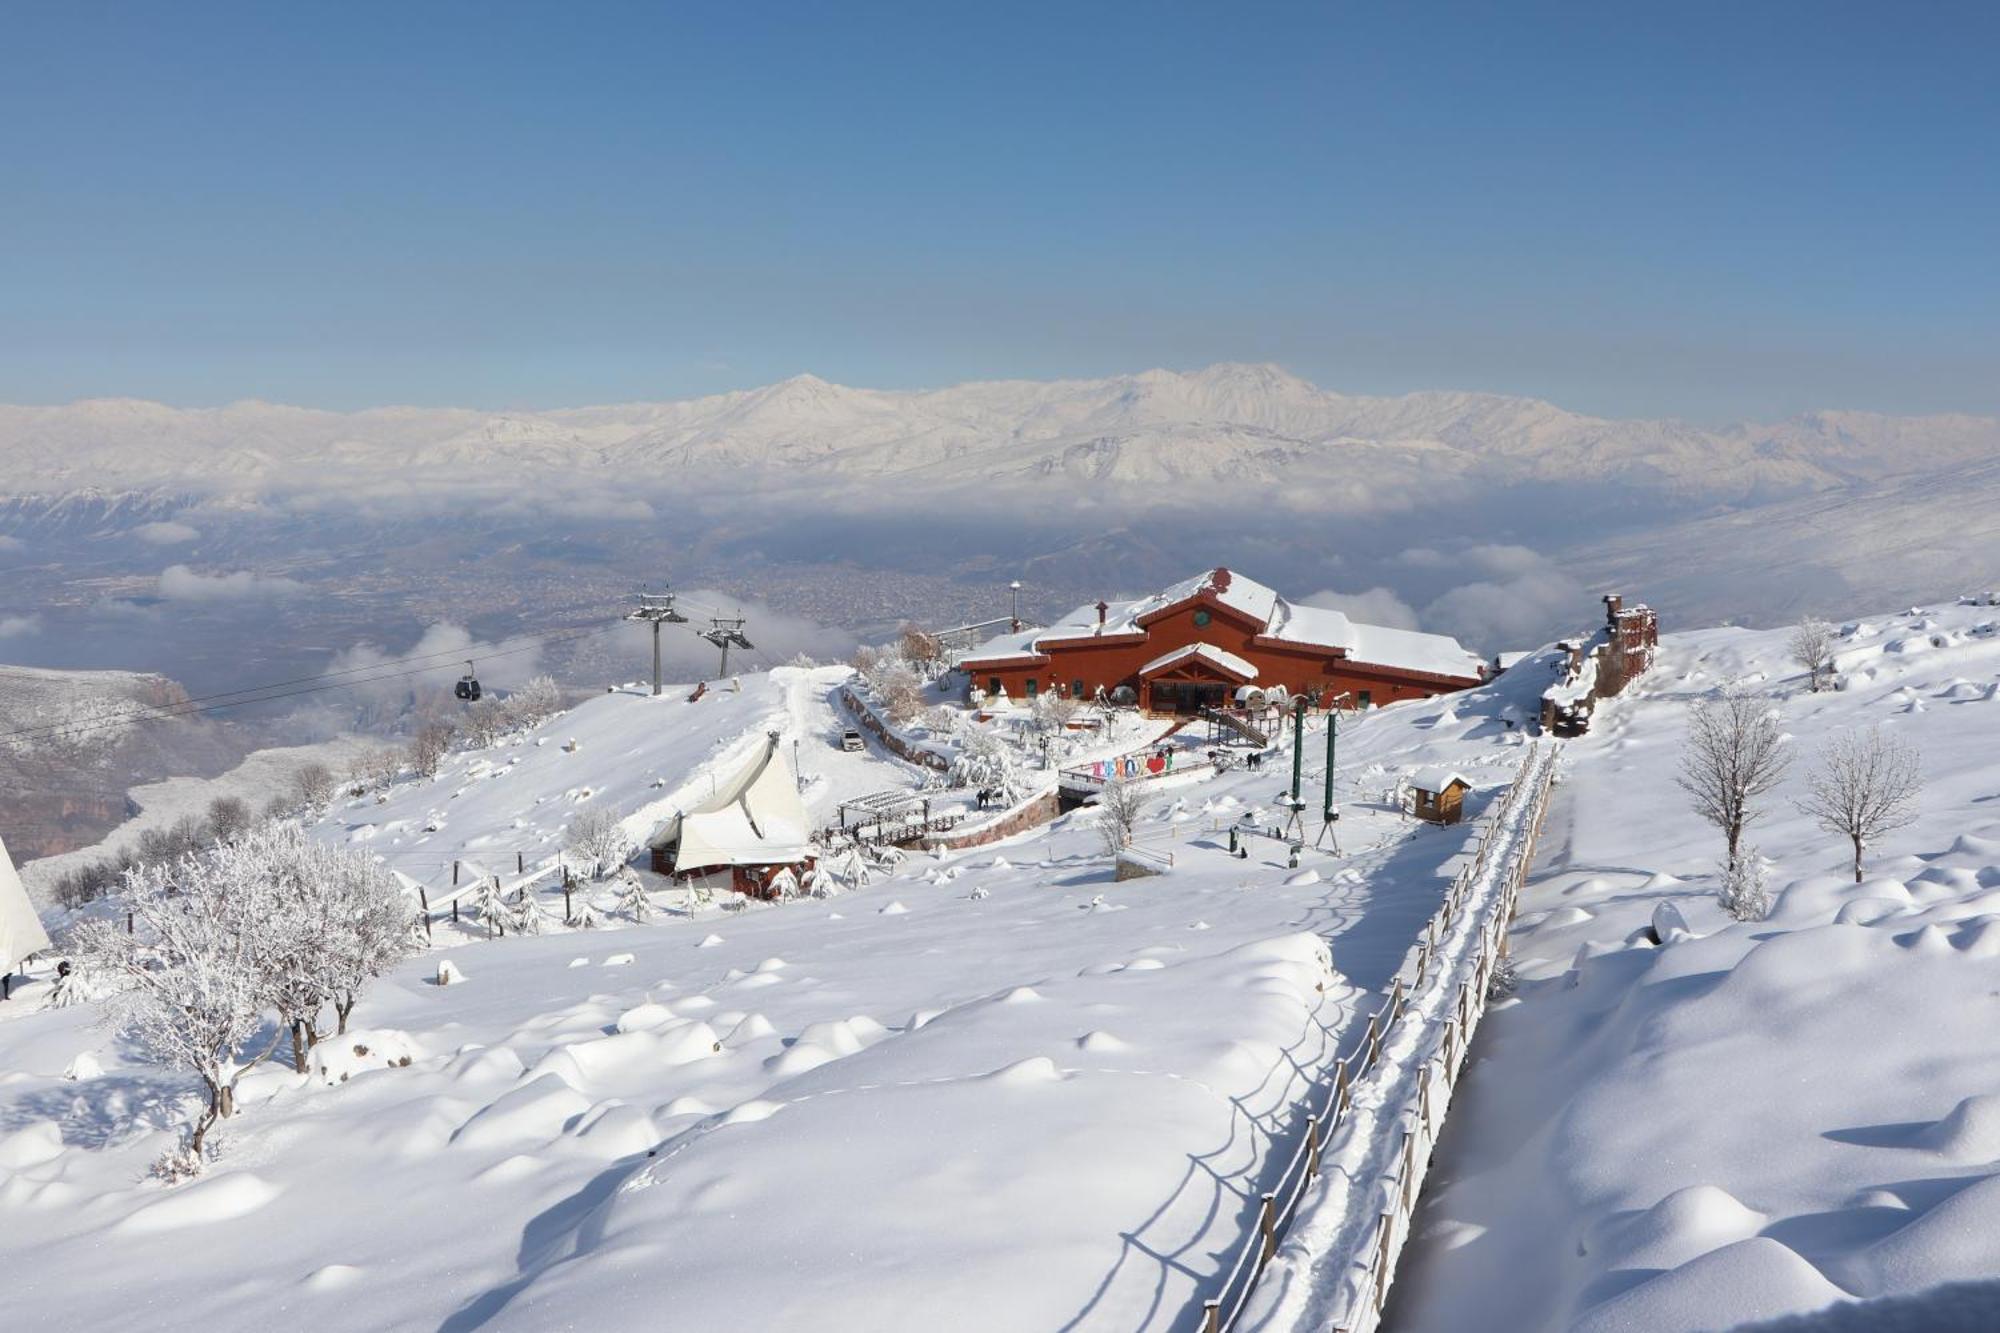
(1330, 1229)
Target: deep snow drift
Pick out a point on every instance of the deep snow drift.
(1751, 1119)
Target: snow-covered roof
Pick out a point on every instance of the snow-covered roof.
(1208, 652)
(1436, 779)
(21, 930)
(755, 818)
(1282, 620)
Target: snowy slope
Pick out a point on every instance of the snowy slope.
(1755, 1119)
(996, 1090)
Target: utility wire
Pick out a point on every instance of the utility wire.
(273, 691)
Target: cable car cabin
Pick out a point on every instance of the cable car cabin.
(1437, 795)
(468, 686)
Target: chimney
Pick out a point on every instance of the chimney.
(1102, 607)
(1613, 604)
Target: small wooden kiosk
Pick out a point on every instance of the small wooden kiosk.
(1438, 795)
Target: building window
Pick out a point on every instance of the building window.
(1367, 698)
(1201, 619)
(993, 685)
(1032, 683)
(1076, 688)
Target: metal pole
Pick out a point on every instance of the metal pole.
(1298, 745)
(1332, 738)
(656, 657)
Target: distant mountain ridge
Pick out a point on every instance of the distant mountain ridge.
(1248, 425)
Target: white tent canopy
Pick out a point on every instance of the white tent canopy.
(753, 819)
(21, 930)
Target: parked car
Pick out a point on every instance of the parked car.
(851, 740)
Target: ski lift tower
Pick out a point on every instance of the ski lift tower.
(723, 631)
(657, 609)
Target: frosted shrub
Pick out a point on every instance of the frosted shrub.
(596, 843)
(1745, 893)
(1119, 806)
(633, 899)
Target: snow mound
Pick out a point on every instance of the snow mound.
(1669, 924)
(893, 909)
(217, 1199)
(645, 1017)
(537, 1111)
(85, 1066)
(709, 942)
(1751, 1279)
(1034, 1069)
(619, 1131)
(1948, 1242)
(1684, 1226)
(339, 1058)
(688, 1043)
(448, 973)
(1971, 1133)
(31, 1146)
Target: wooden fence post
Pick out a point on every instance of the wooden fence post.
(454, 874)
(424, 897)
(1312, 1147)
(520, 863)
(1211, 1317)
(1267, 1225)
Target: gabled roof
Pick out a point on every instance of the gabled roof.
(1285, 623)
(1436, 779)
(1222, 659)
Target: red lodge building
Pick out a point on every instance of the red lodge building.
(1207, 640)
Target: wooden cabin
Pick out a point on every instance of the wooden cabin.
(1437, 795)
(1201, 643)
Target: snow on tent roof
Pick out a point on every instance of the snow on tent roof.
(21, 930)
(1437, 779)
(753, 819)
(1228, 661)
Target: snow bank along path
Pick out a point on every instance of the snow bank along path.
(1350, 1200)
(1682, 1121)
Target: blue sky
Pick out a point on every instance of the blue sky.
(1707, 211)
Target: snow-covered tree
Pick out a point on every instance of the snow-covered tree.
(784, 886)
(1119, 806)
(491, 905)
(1812, 648)
(1745, 893)
(313, 787)
(228, 817)
(186, 983)
(596, 842)
(530, 913)
(1054, 713)
(1734, 755)
(633, 900)
(987, 763)
(429, 747)
(924, 652)
(901, 693)
(1866, 783)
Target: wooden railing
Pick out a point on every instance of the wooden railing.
(1401, 1070)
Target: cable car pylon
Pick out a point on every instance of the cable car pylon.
(657, 609)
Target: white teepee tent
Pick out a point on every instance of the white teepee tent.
(753, 819)
(21, 930)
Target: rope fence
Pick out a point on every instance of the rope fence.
(1382, 1105)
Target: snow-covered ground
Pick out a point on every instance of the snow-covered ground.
(1753, 1119)
(995, 1089)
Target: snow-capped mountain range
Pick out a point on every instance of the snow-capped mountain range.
(1248, 425)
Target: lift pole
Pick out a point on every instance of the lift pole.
(724, 631)
(657, 609)
(1329, 811)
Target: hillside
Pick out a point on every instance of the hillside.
(883, 1107)
(1752, 1119)
(1243, 426)
(878, 1109)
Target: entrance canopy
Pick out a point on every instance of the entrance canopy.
(1201, 661)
